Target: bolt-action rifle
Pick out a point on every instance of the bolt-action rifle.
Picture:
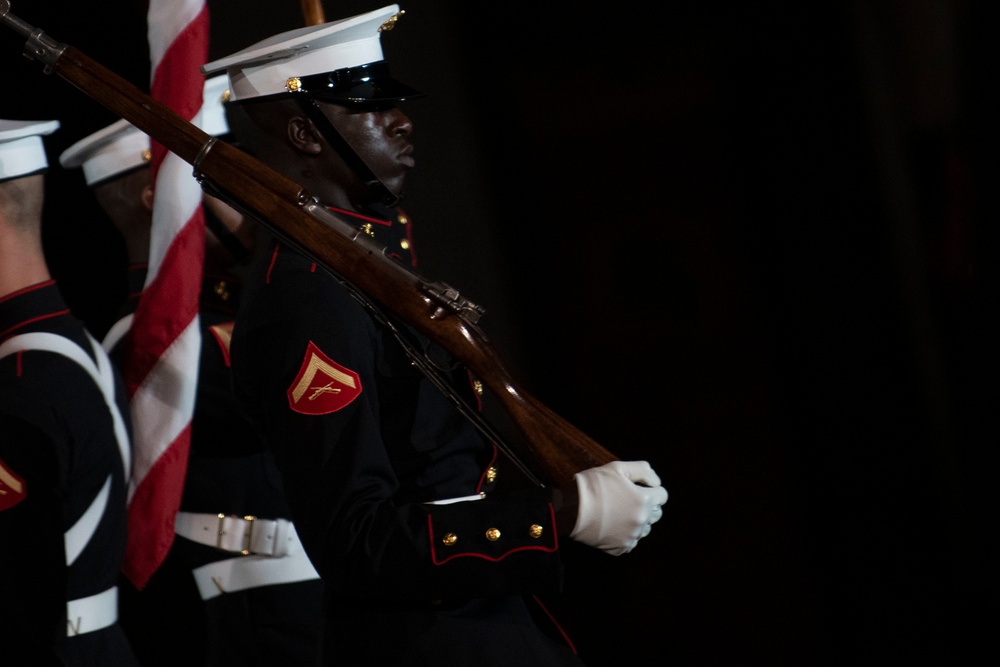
(435, 309)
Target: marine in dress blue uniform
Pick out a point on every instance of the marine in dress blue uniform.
(64, 456)
(428, 557)
(367, 444)
(209, 602)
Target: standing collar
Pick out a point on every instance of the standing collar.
(33, 308)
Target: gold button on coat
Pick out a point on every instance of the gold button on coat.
(493, 534)
(449, 539)
(535, 530)
(491, 474)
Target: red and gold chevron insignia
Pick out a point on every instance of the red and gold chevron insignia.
(223, 334)
(322, 385)
(12, 488)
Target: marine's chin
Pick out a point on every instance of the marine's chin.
(395, 184)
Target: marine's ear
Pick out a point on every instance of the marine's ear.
(304, 136)
(146, 197)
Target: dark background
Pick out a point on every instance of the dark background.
(752, 243)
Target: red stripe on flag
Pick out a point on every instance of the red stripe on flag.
(178, 81)
(168, 304)
(150, 517)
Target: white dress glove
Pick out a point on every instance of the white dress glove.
(619, 503)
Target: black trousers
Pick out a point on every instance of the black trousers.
(481, 633)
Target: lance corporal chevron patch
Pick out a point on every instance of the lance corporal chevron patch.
(12, 488)
(223, 334)
(322, 385)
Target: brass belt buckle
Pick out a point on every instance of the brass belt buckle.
(247, 537)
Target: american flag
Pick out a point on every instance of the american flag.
(163, 346)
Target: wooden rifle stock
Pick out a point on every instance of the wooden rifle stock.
(558, 448)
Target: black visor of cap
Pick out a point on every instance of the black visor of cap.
(362, 84)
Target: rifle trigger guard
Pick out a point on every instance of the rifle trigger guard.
(196, 162)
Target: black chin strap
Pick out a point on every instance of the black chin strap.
(380, 191)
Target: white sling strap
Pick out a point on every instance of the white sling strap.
(117, 332)
(77, 537)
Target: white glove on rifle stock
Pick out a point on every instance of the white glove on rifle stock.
(618, 504)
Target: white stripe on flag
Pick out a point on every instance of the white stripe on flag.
(168, 392)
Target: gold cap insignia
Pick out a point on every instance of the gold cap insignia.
(391, 22)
